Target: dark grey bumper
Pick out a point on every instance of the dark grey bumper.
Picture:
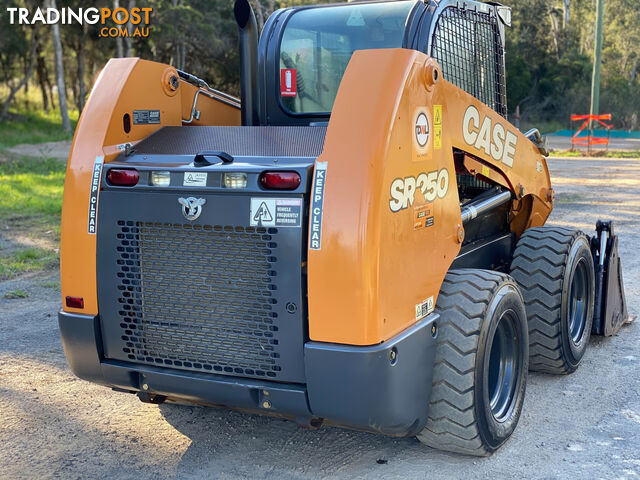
(366, 388)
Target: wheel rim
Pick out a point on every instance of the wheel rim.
(578, 302)
(504, 366)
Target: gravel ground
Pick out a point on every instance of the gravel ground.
(53, 425)
(59, 150)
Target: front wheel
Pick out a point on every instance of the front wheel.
(554, 269)
(481, 364)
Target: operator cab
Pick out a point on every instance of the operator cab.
(304, 51)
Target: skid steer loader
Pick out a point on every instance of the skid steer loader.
(358, 240)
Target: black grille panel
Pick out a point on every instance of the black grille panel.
(199, 297)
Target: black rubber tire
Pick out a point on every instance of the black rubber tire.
(472, 305)
(547, 262)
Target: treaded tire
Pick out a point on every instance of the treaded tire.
(545, 265)
(473, 304)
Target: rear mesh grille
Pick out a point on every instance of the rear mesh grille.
(469, 50)
(198, 297)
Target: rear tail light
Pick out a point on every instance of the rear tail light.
(75, 302)
(280, 180)
(123, 177)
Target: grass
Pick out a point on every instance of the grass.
(32, 127)
(14, 294)
(31, 189)
(27, 260)
(29, 123)
(30, 206)
(579, 153)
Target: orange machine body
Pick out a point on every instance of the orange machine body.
(392, 219)
(123, 87)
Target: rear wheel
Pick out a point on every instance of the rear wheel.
(480, 370)
(554, 268)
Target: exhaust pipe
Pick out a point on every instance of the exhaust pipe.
(248, 30)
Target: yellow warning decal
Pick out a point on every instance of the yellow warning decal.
(437, 127)
(437, 114)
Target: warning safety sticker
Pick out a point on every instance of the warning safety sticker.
(276, 212)
(195, 179)
(437, 127)
(424, 308)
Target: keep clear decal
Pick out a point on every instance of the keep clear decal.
(317, 200)
(93, 196)
(276, 212)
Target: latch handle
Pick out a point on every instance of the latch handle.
(201, 160)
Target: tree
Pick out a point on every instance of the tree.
(128, 40)
(119, 45)
(13, 90)
(62, 92)
(549, 52)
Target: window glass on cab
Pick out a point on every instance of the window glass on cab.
(318, 43)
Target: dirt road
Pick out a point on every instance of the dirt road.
(586, 425)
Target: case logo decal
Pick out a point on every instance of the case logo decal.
(495, 140)
(191, 207)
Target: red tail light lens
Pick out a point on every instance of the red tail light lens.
(122, 177)
(280, 180)
(75, 302)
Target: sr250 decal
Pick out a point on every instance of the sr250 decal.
(432, 185)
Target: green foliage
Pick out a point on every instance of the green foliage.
(518, 79)
(30, 203)
(579, 153)
(13, 44)
(29, 260)
(15, 294)
(35, 126)
(32, 189)
(208, 32)
(550, 62)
